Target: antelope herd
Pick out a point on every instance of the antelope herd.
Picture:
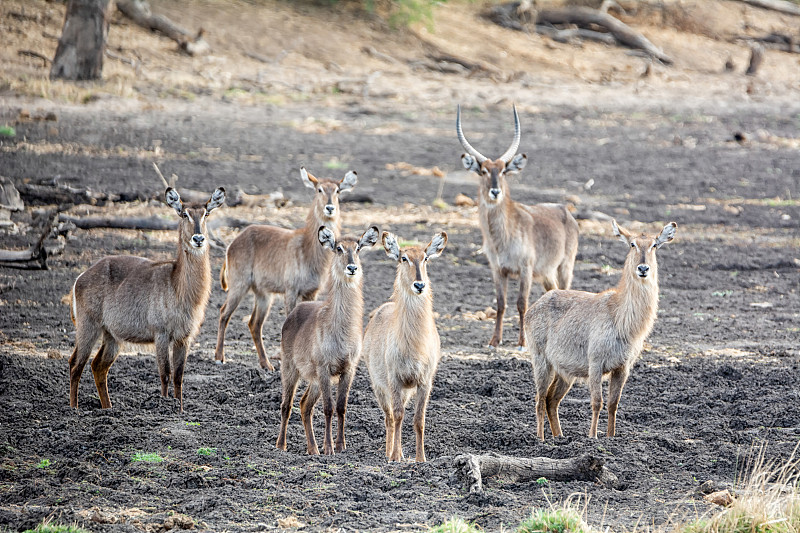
(571, 334)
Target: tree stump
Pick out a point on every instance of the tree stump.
(80, 51)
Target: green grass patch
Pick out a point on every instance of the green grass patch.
(456, 525)
(553, 521)
(44, 463)
(192, 424)
(335, 164)
(7, 131)
(207, 451)
(146, 457)
(46, 527)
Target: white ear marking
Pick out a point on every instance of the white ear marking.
(326, 238)
(348, 181)
(470, 163)
(390, 245)
(173, 200)
(437, 244)
(308, 180)
(216, 200)
(369, 238)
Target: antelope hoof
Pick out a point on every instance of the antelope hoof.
(340, 448)
(219, 361)
(522, 348)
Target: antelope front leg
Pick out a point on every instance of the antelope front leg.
(595, 383)
(615, 385)
(162, 360)
(327, 402)
(500, 287)
(345, 381)
(398, 413)
(421, 405)
(522, 304)
(180, 351)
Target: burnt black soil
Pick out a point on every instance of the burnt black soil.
(718, 378)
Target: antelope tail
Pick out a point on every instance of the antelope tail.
(223, 275)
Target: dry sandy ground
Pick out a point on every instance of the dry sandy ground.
(719, 376)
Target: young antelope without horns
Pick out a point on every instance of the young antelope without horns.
(401, 344)
(321, 342)
(581, 335)
(268, 260)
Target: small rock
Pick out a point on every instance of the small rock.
(50, 116)
(722, 498)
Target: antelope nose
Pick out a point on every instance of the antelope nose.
(198, 240)
(351, 269)
(419, 286)
(329, 209)
(494, 193)
(643, 270)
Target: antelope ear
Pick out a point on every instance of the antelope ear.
(621, 234)
(390, 245)
(326, 238)
(470, 163)
(173, 200)
(369, 238)
(348, 181)
(516, 164)
(666, 235)
(437, 244)
(216, 200)
(310, 181)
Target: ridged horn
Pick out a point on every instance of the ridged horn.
(512, 150)
(463, 140)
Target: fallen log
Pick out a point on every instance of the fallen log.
(60, 194)
(139, 12)
(586, 17)
(472, 469)
(521, 15)
(35, 257)
(146, 223)
(775, 5)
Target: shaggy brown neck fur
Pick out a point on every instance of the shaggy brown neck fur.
(191, 277)
(634, 302)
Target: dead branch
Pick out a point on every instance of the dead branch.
(35, 257)
(567, 35)
(139, 12)
(586, 17)
(31, 53)
(473, 468)
(60, 193)
(773, 41)
(146, 223)
(775, 5)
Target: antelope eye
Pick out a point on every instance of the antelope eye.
(185, 214)
(340, 249)
(319, 190)
(404, 259)
(633, 245)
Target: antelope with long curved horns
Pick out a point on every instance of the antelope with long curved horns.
(532, 242)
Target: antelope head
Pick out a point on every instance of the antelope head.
(346, 265)
(492, 173)
(192, 226)
(412, 272)
(326, 202)
(641, 259)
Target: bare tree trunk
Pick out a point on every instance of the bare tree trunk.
(80, 51)
(775, 5)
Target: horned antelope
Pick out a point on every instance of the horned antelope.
(401, 344)
(532, 242)
(136, 300)
(575, 334)
(268, 260)
(321, 342)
